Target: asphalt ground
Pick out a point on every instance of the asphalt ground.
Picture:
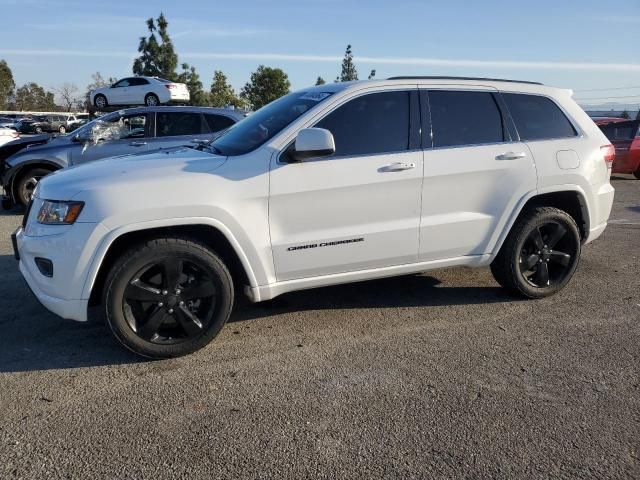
(439, 375)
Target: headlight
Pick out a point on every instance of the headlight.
(59, 213)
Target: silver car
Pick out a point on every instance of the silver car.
(134, 130)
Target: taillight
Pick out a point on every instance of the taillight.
(609, 153)
(171, 86)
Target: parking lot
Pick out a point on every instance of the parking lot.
(435, 375)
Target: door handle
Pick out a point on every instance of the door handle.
(511, 156)
(138, 144)
(398, 167)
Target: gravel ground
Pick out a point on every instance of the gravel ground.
(437, 375)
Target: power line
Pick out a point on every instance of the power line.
(609, 98)
(607, 89)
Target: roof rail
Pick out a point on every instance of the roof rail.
(462, 78)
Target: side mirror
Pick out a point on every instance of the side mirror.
(313, 142)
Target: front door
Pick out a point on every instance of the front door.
(360, 208)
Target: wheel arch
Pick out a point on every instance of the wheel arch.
(19, 169)
(569, 198)
(215, 236)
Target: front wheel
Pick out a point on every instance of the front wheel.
(540, 254)
(100, 101)
(38, 129)
(168, 297)
(62, 129)
(27, 182)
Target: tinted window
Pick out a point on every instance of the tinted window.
(137, 81)
(537, 117)
(621, 130)
(218, 122)
(465, 118)
(123, 83)
(370, 124)
(178, 123)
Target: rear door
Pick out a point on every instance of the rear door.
(138, 88)
(475, 171)
(173, 129)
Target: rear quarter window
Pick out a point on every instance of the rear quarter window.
(537, 117)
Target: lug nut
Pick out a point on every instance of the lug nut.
(178, 292)
(160, 304)
(171, 310)
(164, 292)
(181, 304)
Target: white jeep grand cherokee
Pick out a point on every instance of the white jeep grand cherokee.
(332, 184)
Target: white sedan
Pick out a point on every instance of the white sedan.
(150, 91)
(8, 135)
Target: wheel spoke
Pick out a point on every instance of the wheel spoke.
(556, 236)
(536, 236)
(172, 273)
(142, 292)
(527, 263)
(153, 323)
(560, 257)
(542, 275)
(189, 322)
(202, 290)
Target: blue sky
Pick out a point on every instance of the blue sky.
(590, 46)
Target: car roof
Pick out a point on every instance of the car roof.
(236, 114)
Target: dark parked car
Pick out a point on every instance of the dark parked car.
(135, 130)
(44, 123)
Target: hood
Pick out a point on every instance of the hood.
(32, 142)
(155, 169)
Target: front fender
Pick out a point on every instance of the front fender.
(113, 235)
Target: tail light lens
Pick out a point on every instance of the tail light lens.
(609, 153)
(171, 86)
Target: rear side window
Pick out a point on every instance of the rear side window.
(135, 82)
(169, 124)
(537, 117)
(465, 118)
(218, 122)
(370, 124)
(621, 130)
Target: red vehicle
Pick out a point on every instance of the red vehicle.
(625, 137)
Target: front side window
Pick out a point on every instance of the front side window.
(169, 124)
(465, 118)
(122, 83)
(537, 117)
(115, 127)
(261, 126)
(370, 124)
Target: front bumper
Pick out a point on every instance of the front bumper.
(71, 252)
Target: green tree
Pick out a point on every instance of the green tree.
(7, 85)
(349, 71)
(32, 96)
(222, 94)
(625, 114)
(157, 56)
(320, 81)
(189, 76)
(266, 85)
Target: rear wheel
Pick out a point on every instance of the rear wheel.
(27, 182)
(38, 129)
(151, 100)
(540, 254)
(62, 129)
(168, 297)
(637, 173)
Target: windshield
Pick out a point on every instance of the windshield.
(261, 126)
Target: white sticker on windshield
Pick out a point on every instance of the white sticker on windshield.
(315, 96)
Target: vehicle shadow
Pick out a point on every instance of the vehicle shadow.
(33, 339)
(396, 292)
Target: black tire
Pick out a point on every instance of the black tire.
(100, 101)
(38, 129)
(62, 129)
(637, 173)
(144, 268)
(27, 182)
(534, 263)
(151, 100)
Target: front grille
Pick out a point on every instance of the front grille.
(26, 214)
